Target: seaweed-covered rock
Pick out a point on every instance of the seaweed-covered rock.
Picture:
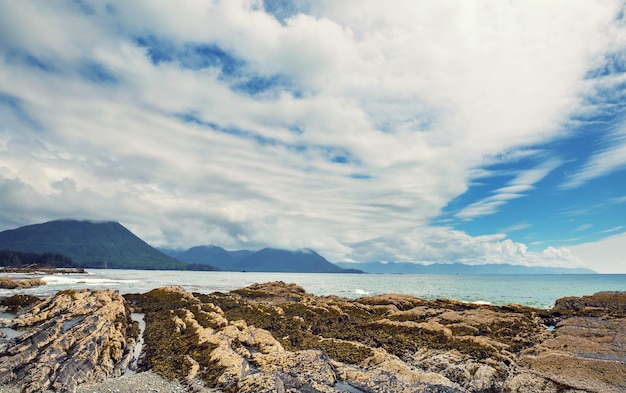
(264, 343)
(275, 337)
(599, 304)
(9, 283)
(71, 338)
(15, 303)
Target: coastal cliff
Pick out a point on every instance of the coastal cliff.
(275, 337)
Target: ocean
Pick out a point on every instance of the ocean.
(540, 291)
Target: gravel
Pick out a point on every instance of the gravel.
(131, 383)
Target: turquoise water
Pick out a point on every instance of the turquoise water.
(533, 290)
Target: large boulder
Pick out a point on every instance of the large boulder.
(72, 338)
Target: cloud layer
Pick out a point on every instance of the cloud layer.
(339, 126)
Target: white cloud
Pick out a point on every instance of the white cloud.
(445, 245)
(605, 256)
(400, 107)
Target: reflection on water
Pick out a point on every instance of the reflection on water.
(67, 325)
(10, 333)
(7, 332)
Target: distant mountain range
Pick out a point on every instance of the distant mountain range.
(111, 245)
(459, 268)
(265, 260)
(210, 255)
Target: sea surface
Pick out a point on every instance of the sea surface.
(537, 290)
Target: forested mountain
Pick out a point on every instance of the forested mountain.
(88, 244)
(19, 259)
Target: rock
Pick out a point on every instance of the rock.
(613, 303)
(15, 303)
(74, 337)
(273, 292)
(9, 283)
(260, 383)
(588, 349)
(275, 337)
(222, 340)
(530, 383)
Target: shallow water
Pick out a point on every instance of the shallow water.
(132, 367)
(532, 290)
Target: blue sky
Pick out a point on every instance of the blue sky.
(437, 131)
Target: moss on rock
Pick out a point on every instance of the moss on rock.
(15, 303)
(216, 337)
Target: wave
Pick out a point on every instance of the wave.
(482, 302)
(85, 280)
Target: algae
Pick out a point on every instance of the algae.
(17, 303)
(345, 330)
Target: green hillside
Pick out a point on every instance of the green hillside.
(89, 244)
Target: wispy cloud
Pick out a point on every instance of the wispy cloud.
(605, 161)
(522, 183)
(517, 227)
(618, 200)
(614, 229)
(583, 227)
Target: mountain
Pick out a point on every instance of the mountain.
(274, 260)
(459, 268)
(89, 244)
(266, 260)
(212, 255)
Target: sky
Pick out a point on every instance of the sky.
(409, 131)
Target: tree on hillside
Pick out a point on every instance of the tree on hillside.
(17, 258)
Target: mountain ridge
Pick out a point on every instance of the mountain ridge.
(210, 255)
(264, 260)
(272, 259)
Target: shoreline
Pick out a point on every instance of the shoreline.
(275, 334)
(42, 270)
(539, 291)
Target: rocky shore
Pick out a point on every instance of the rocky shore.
(275, 337)
(9, 283)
